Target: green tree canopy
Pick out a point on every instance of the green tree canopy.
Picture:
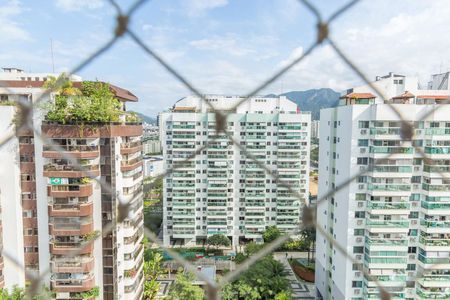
(271, 234)
(218, 240)
(183, 289)
(265, 279)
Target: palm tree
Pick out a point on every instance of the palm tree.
(152, 269)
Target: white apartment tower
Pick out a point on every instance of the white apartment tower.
(394, 219)
(222, 190)
(51, 208)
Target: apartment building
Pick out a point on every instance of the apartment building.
(394, 219)
(222, 190)
(51, 208)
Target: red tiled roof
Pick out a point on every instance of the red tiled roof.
(406, 94)
(122, 94)
(359, 96)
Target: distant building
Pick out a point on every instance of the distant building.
(153, 166)
(151, 145)
(394, 220)
(315, 129)
(222, 190)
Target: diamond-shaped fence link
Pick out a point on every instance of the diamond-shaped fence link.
(122, 29)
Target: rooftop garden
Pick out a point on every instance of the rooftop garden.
(93, 102)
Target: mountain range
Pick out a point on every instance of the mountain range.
(313, 100)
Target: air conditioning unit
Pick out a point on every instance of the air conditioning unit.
(411, 274)
(359, 222)
(360, 204)
(413, 222)
(363, 131)
(361, 186)
(357, 292)
(362, 150)
(359, 239)
(357, 274)
(358, 257)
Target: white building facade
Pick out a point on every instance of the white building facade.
(394, 219)
(222, 190)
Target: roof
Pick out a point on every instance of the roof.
(120, 93)
(184, 108)
(437, 97)
(406, 94)
(359, 96)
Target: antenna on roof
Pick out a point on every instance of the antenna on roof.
(53, 59)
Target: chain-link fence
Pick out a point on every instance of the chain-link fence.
(308, 219)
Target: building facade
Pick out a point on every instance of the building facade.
(55, 208)
(222, 190)
(394, 219)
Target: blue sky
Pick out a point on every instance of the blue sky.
(225, 46)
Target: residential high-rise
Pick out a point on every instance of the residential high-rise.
(51, 208)
(222, 190)
(395, 219)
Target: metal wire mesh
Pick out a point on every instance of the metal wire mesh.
(122, 29)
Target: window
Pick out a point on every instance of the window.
(363, 124)
(360, 197)
(411, 267)
(358, 250)
(363, 143)
(362, 161)
(358, 232)
(412, 232)
(359, 214)
(357, 284)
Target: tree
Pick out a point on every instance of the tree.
(271, 234)
(183, 289)
(61, 85)
(152, 269)
(309, 236)
(18, 293)
(218, 240)
(265, 279)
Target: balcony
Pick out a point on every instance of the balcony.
(68, 229)
(390, 150)
(433, 293)
(62, 248)
(83, 284)
(70, 190)
(73, 265)
(77, 151)
(387, 224)
(128, 165)
(70, 210)
(130, 147)
(67, 171)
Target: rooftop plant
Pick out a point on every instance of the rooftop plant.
(94, 102)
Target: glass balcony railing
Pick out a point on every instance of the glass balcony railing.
(392, 169)
(437, 150)
(385, 131)
(437, 131)
(434, 260)
(388, 187)
(435, 224)
(391, 150)
(436, 293)
(435, 205)
(385, 205)
(436, 188)
(386, 242)
(434, 242)
(387, 224)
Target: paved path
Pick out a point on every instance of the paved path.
(300, 289)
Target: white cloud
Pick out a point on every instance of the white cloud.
(10, 29)
(199, 7)
(77, 5)
(410, 41)
(227, 44)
